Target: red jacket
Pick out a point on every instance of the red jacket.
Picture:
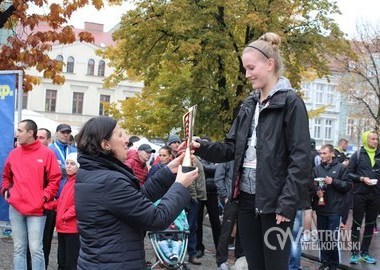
(138, 167)
(66, 221)
(31, 173)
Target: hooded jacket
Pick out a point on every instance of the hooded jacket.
(335, 193)
(139, 168)
(283, 168)
(360, 165)
(114, 213)
(31, 175)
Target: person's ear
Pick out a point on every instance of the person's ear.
(270, 64)
(105, 145)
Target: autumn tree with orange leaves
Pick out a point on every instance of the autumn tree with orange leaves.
(26, 48)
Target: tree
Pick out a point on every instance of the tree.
(27, 48)
(361, 82)
(189, 52)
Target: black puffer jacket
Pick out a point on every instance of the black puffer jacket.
(283, 152)
(114, 213)
(335, 193)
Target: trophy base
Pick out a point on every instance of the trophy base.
(186, 169)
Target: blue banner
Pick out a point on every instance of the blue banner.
(7, 112)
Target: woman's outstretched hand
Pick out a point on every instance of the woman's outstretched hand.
(186, 179)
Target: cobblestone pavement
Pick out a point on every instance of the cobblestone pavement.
(208, 261)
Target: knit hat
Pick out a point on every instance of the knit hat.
(73, 157)
(173, 138)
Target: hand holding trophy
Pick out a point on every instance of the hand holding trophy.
(188, 125)
(320, 182)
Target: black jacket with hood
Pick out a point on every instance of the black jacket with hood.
(360, 165)
(283, 151)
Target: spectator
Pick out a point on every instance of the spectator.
(62, 148)
(211, 204)
(223, 182)
(136, 160)
(113, 211)
(30, 177)
(328, 215)
(364, 165)
(67, 227)
(44, 135)
(165, 155)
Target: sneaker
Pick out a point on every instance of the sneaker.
(200, 254)
(355, 259)
(223, 266)
(368, 258)
(375, 230)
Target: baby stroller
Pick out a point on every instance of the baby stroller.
(177, 232)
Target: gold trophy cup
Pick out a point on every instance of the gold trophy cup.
(188, 125)
(321, 184)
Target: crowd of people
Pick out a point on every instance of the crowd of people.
(103, 191)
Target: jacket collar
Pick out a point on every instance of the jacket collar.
(30, 147)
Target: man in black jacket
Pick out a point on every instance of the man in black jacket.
(328, 213)
(364, 171)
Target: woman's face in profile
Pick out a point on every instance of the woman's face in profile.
(117, 143)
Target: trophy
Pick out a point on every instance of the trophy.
(321, 184)
(188, 124)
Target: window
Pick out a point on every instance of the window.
(70, 64)
(330, 95)
(77, 103)
(101, 68)
(317, 128)
(60, 59)
(328, 129)
(350, 127)
(318, 93)
(103, 99)
(90, 67)
(50, 100)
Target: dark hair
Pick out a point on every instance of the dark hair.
(48, 133)
(30, 125)
(342, 140)
(167, 148)
(93, 132)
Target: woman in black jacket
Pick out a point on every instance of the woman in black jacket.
(270, 144)
(113, 211)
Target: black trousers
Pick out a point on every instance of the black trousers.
(264, 243)
(229, 220)
(368, 206)
(68, 251)
(347, 207)
(213, 213)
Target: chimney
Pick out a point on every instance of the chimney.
(93, 27)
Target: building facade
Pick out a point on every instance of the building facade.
(82, 96)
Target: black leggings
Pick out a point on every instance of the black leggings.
(263, 252)
(368, 206)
